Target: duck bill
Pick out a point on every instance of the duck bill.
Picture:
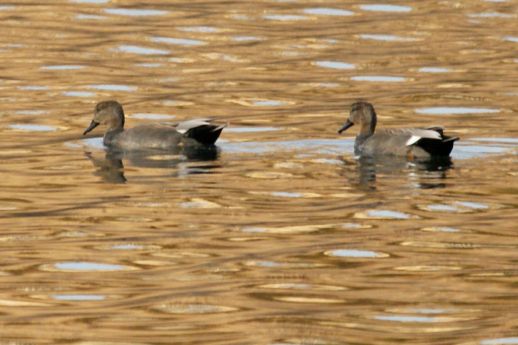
(93, 124)
(346, 125)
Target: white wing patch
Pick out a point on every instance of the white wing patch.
(413, 139)
(417, 134)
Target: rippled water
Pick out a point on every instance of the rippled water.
(281, 236)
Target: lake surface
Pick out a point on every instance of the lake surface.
(283, 236)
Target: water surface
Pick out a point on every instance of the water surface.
(281, 235)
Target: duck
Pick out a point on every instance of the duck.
(412, 143)
(195, 132)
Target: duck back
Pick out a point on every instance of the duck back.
(409, 142)
(381, 143)
(148, 137)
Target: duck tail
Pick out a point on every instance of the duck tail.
(205, 134)
(438, 148)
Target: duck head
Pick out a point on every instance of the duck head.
(362, 113)
(109, 113)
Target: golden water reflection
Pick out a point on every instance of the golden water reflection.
(280, 236)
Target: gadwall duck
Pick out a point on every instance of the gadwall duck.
(191, 132)
(412, 143)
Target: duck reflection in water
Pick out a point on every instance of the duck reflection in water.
(422, 174)
(181, 161)
(152, 146)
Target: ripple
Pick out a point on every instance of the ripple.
(355, 253)
(355, 226)
(290, 229)
(328, 11)
(78, 94)
(285, 265)
(132, 49)
(457, 207)
(15, 303)
(201, 29)
(199, 203)
(427, 268)
(134, 12)
(327, 161)
(259, 102)
(61, 67)
(113, 87)
(334, 64)
(323, 85)
(302, 286)
(284, 17)
(384, 214)
(388, 38)
(378, 78)
(147, 116)
(30, 112)
(455, 110)
(127, 246)
(305, 299)
(287, 194)
(253, 229)
(33, 128)
(439, 208)
(193, 308)
(251, 129)
(14, 45)
(264, 263)
(237, 16)
(177, 41)
(498, 140)
(82, 266)
(149, 64)
(88, 17)
(33, 88)
(79, 297)
(385, 8)
(295, 286)
(489, 15)
(428, 310)
(267, 103)
(440, 229)
(434, 70)
(411, 318)
(246, 38)
(472, 205)
(468, 150)
(90, 1)
(500, 341)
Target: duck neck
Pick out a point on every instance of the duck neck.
(110, 135)
(360, 140)
(115, 127)
(367, 129)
